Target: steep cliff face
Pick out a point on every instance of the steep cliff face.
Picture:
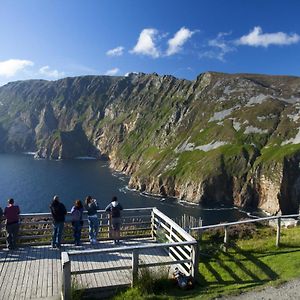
(220, 139)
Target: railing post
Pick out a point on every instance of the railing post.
(135, 266)
(278, 232)
(66, 276)
(109, 226)
(226, 237)
(195, 262)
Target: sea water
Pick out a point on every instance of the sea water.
(33, 183)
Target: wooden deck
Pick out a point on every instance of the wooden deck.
(35, 272)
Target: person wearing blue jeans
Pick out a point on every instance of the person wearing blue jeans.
(58, 228)
(58, 211)
(91, 207)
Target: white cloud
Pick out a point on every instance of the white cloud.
(257, 38)
(179, 39)
(220, 47)
(146, 43)
(10, 67)
(118, 51)
(46, 71)
(112, 72)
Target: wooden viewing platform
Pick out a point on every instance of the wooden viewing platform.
(149, 239)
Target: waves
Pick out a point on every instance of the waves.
(29, 153)
(86, 157)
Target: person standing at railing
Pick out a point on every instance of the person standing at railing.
(58, 211)
(91, 206)
(11, 214)
(114, 208)
(77, 223)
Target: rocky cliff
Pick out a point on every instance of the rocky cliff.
(220, 139)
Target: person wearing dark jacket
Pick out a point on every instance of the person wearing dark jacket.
(58, 211)
(11, 214)
(77, 222)
(114, 208)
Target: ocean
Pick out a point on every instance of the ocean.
(33, 183)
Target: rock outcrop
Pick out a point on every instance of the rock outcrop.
(229, 139)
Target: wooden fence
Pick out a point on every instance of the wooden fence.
(166, 230)
(36, 228)
(227, 225)
(181, 246)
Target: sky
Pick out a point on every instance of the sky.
(52, 39)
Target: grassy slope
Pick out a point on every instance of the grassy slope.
(248, 264)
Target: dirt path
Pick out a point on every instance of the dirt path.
(287, 291)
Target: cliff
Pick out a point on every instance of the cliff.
(220, 139)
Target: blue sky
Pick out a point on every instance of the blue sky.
(51, 39)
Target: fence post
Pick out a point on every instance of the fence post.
(66, 276)
(109, 225)
(278, 232)
(135, 266)
(226, 238)
(195, 262)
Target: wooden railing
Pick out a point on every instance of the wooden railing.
(166, 230)
(227, 225)
(36, 228)
(181, 246)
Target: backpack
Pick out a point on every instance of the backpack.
(115, 212)
(76, 215)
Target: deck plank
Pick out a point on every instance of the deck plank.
(20, 276)
(35, 272)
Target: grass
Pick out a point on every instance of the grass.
(253, 261)
(77, 290)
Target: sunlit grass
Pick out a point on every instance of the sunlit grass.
(248, 263)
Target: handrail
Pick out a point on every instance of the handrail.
(173, 224)
(48, 214)
(129, 248)
(226, 225)
(244, 221)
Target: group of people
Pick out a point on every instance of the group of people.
(58, 211)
